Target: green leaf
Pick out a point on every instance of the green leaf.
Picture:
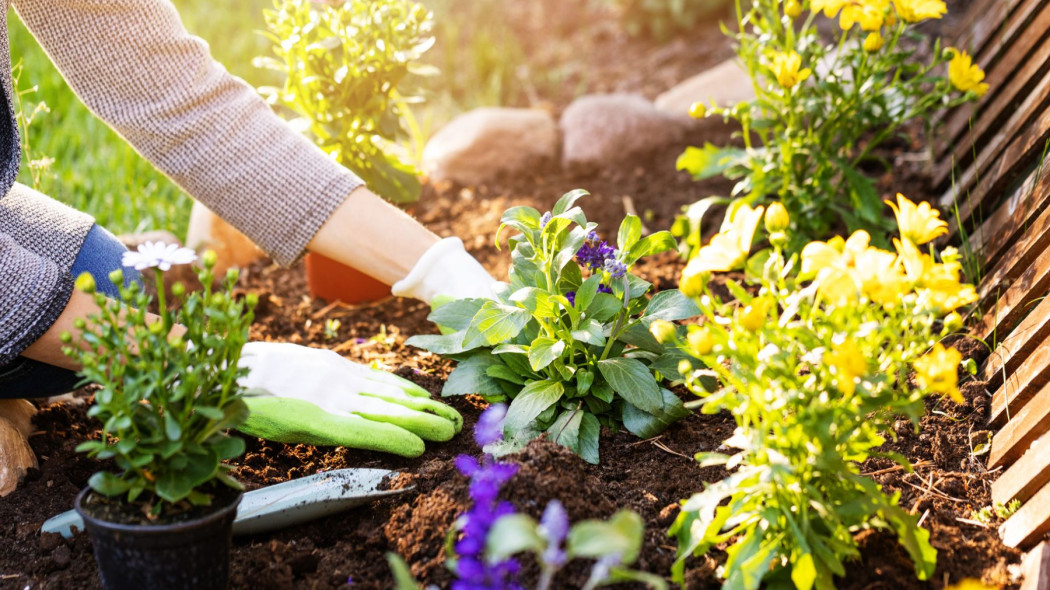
(710, 459)
(512, 534)
(584, 379)
(171, 427)
(531, 402)
(631, 379)
(176, 484)
(708, 161)
(565, 430)
(403, 579)
(590, 428)
(649, 424)
(568, 200)
(495, 324)
(630, 231)
(586, 292)
(209, 412)
(524, 219)
(621, 534)
(108, 484)
(604, 307)
(543, 352)
(443, 344)
(471, 376)
(456, 315)
(661, 241)
(803, 571)
(537, 301)
(502, 372)
(671, 305)
(639, 335)
(228, 447)
(591, 332)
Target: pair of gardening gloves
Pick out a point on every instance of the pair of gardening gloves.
(314, 396)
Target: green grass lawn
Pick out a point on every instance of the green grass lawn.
(96, 171)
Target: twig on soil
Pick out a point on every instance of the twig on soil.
(656, 443)
(973, 522)
(923, 518)
(932, 489)
(922, 463)
(9, 576)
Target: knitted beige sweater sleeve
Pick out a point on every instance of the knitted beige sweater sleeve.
(135, 66)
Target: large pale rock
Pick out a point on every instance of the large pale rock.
(207, 231)
(725, 85)
(474, 147)
(602, 128)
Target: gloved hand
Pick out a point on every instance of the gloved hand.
(445, 271)
(314, 396)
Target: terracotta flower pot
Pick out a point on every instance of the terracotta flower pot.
(334, 281)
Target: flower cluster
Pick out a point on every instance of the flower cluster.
(487, 477)
(595, 253)
(158, 255)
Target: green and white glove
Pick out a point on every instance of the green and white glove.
(314, 396)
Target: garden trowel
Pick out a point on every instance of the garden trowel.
(283, 504)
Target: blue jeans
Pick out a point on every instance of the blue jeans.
(100, 255)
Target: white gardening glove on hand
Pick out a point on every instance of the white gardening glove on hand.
(445, 271)
(315, 396)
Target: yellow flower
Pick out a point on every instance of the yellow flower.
(966, 75)
(845, 269)
(917, 223)
(873, 42)
(700, 340)
(830, 7)
(788, 68)
(869, 14)
(792, 8)
(849, 363)
(971, 584)
(726, 251)
(937, 284)
(777, 218)
(938, 371)
(913, 11)
(663, 331)
(754, 315)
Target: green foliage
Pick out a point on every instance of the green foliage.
(346, 66)
(821, 109)
(568, 366)
(814, 357)
(166, 401)
(663, 19)
(998, 511)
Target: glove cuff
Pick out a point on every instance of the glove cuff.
(445, 269)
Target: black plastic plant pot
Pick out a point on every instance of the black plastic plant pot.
(187, 555)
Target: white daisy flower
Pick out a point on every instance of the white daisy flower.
(158, 255)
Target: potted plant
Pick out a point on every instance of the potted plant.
(168, 398)
(352, 101)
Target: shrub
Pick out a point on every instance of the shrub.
(165, 401)
(814, 358)
(572, 353)
(822, 109)
(346, 65)
(663, 19)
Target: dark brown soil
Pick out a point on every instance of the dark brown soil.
(650, 477)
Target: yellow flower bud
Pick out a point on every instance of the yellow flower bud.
(117, 277)
(684, 367)
(698, 110)
(700, 340)
(663, 331)
(79, 323)
(209, 259)
(777, 218)
(873, 42)
(953, 322)
(156, 327)
(85, 283)
(252, 299)
(753, 316)
(792, 8)
(178, 289)
(66, 337)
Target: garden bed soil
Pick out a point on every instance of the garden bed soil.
(648, 476)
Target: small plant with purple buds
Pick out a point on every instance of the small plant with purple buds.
(491, 533)
(567, 341)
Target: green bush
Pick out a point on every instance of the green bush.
(347, 69)
(663, 19)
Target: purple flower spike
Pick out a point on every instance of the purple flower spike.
(489, 428)
(554, 526)
(594, 254)
(603, 288)
(615, 268)
(571, 296)
(545, 219)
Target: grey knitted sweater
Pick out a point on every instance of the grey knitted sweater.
(135, 66)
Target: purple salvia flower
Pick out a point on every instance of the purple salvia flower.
(554, 526)
(615, 268)
(545, 219)
(603, 288)
(571, 296)
(489, 428)
(602, 568)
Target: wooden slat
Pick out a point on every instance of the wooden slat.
(1024, 478)
(1006, 155)
(1036, 568)
(1014, 217)
(1032, 334)
(1010, 304)
(1021, 386)
(1023, 429)
(1028, 246)
(1020, 69)
(1028, 525)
